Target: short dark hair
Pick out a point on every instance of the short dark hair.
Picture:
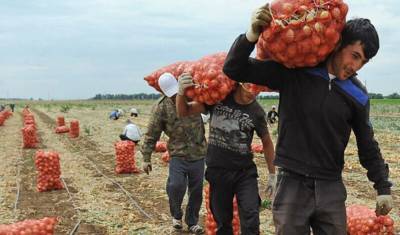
(360, 29)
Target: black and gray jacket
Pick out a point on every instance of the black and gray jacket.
(316, 115)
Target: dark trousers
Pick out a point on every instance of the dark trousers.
(124, 137)
(302, 203)
(185, 174)
(224, 184)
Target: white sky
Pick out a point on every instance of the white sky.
(74, 49)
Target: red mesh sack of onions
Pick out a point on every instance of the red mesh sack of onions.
(61, 129)
(2, 118)
(60, 121)
(175, 69)
(165, 157)
(302, 32)
(257, 148)
(210, 224)
(212, 85)
(363, 221)
(29, 119)
(161, 147)
(7, 113)
(48, 168)
(30, 226)
(74, 129)
(29, 136)
(125, 157)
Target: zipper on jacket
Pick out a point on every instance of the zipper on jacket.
(330, 83)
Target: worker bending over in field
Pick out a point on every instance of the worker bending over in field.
(318, 108)
(131, 132)
(114, 115)
(187, 148)
(230, 167)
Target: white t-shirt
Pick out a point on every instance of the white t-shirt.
(132, 132)
(133, 110)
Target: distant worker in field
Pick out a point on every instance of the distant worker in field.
(131, 132)
(114, 115)
(272, 115)
(134, 112)
(319, 108)
(121, 112)
(12, 106)
(187, 147)
(230, 166)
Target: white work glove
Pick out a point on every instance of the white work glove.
(184, 81)
(271, 185)
(147, 167)
(260, 18)
(384, 203)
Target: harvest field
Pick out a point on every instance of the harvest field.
(102, 202)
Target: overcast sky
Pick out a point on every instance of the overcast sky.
(74, 49)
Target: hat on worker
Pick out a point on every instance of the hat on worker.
(168, 84)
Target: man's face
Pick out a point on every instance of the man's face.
(247, 93)
(348, 61)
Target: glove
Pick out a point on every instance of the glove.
(147, 167)
(271, 185)
(260, 18)
(384, 203)
(184, 81)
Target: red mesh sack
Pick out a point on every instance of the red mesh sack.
(302, 32)
(74, 129)
(61, 129)
(165, 157)
(161, 147)
(2, 118)
(212, 85)
(48, 168)
(29, 119)
(60, 121)
(30, 226)
(175, 69)
(7, 113)
(210, 224)
(125, 157)
(29, 136)
(257, 148)
(363, 221)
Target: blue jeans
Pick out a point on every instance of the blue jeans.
(185, 174)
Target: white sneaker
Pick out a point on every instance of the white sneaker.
(177, 223)
(196, 229)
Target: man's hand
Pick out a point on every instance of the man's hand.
(384, 203)
(271, 185)
(184, 81)
(147, 167)
(260, 18)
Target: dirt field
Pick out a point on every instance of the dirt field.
(102, 202)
